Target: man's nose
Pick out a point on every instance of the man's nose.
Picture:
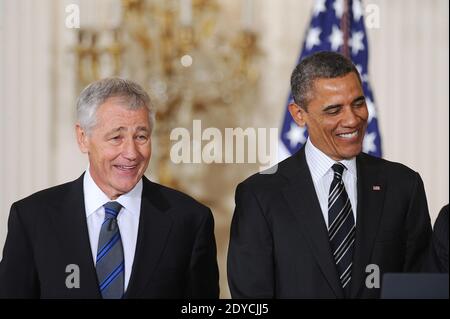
(129, 150)
(350, 117)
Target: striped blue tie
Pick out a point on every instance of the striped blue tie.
(110, 263)
(341, 227)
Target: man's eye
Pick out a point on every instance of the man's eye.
(359, 103)
(142, 137)
(332, 111)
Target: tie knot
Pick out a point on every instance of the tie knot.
(338, 169)
(112, 209)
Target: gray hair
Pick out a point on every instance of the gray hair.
(324, 64)
(95, 94)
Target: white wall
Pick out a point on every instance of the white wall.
(25, 101)
(409, 72)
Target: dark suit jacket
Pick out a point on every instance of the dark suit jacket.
(175, 251)
(438, 254)
(279, 244)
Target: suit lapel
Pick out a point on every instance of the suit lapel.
(154, 228)
(302, 199)
(371, 191)
(71, 227)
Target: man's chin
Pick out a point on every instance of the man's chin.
(352, 154)
(123, 188)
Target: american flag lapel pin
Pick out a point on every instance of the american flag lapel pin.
(376, 187)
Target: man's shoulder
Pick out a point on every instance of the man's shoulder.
(51, 195)
(47, 201)
(393, 170)
(176, 198)
(274, 177)
(279, 175)
(442, 222)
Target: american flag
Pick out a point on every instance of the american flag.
(336, 25)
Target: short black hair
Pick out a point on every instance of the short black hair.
(323, 64)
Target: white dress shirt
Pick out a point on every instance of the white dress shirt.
(128, 218)
(322, 175)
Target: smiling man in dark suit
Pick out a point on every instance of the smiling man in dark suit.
(330, 217)
(111, 233)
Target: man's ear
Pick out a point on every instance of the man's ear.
(82, 138)
(297, 113)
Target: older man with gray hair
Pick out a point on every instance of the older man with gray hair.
(111, 233)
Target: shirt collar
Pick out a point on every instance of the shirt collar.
(94, 198)
(319, 163)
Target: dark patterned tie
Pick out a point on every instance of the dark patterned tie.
(110, 263)
(341, 227)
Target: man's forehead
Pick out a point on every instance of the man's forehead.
(339, 84)
(113, 111)
(118, 121)
(125, 128)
